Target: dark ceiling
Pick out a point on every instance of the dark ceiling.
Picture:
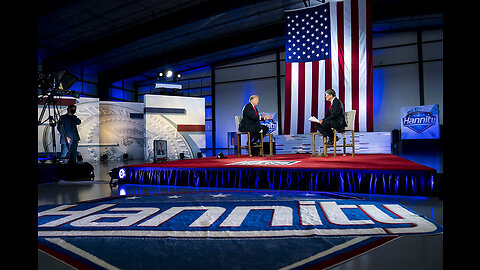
(131, 39)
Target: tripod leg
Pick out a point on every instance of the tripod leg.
(40, 118)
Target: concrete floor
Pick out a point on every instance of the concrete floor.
(407, 252)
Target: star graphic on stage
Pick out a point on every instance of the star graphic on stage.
(132, 198)
(174, 197)
(220, 195)
(267, 195)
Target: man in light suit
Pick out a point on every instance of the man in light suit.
(334, 118)
(250, 121)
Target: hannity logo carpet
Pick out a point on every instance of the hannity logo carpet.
(193, 224)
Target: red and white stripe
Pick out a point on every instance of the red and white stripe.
(348, 72)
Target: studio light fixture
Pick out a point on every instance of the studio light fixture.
(168, 75)
(168, 81)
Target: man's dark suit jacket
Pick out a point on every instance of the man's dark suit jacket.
(69, 123)
(336, 116)
(250, 121)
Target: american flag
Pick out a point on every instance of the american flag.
(328, 46)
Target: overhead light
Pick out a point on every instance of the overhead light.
(168, 75)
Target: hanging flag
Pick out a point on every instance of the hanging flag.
(328, 46)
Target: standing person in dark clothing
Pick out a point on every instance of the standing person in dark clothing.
(69, 139)
(250, 121)
(335, 117)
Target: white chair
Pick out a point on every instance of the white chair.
(238, 119)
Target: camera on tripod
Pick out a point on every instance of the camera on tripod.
(57, 83)
(53, 85)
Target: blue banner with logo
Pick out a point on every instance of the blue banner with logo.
(420, 122)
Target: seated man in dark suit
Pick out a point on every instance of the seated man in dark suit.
(335, 117)
(250, 122)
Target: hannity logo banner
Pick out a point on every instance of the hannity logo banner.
(420, 122)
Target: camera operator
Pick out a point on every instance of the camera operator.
(69, 122)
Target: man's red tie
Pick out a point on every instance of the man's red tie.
(255, 109)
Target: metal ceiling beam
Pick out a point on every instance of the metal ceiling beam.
(191, 14)
(382, 10)
(184, 53)
(47, 6)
